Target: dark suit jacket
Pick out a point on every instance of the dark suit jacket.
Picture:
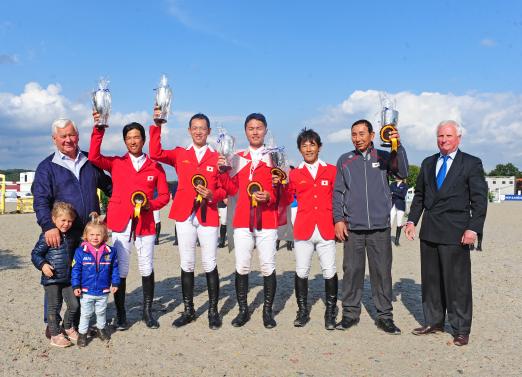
(447, 212)
(399, 193)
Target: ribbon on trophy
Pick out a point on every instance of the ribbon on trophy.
(277, 157)
(385, 137)
(199, 201)
(283, 177)
(138, 200)
(255, 209)
(389, 122)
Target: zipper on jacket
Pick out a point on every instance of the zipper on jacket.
(366, 187)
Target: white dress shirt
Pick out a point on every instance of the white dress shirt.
(138, 162)
(448, 162)
(73, 165)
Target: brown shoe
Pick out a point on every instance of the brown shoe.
(425, 330)
(72, 334)
(461, 340)
(60, 341)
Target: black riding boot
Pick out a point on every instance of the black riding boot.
(214, 321)
(187, 289)
(175, 243)
(269, 289)
(158, 230)
(119, 301)
(330, 289)
(301, 294)
(148, 297)
(241, 293)
(222, 235)
(397, 235)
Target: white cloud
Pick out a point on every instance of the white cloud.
(488, 42)
(491, 121)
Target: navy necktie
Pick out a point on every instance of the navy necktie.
(442, 172)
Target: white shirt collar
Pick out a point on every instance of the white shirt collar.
(451, 155)
(315, 164)
(65, 157)
(196, 149)
(138, 159)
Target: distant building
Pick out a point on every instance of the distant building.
(500, 186)
(518, 187)
(26, 180)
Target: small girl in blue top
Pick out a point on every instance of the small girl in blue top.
(94, 274)
(55, 264)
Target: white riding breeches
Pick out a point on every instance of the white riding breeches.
(222, 216)
(325, 251)
(144, 249)
(396, 214)
(264, 240)
(189, 231)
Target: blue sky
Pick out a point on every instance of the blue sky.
(301, 63)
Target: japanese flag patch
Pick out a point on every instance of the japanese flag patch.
(324, 182)
(210, 168)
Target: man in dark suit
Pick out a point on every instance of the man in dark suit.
(450, 187)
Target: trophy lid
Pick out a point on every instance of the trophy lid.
(163, 81)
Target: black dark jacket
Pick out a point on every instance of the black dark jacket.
(447, 212)
(59, 257)
(399, 193)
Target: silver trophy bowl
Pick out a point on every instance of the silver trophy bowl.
(101, 102)
(226, 147)
(389, 116)
(163, 99)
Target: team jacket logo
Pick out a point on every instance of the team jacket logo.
(210, 168)
(324, 182)
(186, 161)
(375, 164)
(150, 178)
(303, 182)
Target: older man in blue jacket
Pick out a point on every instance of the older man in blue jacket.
(67, 176)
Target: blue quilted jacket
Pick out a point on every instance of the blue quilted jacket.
(95, 278)
(60, 258)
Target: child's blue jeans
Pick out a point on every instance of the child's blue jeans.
(92, 304)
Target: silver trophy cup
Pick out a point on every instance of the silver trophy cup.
(225, 146)
(101, 102)
(163, 99)
(389, 122)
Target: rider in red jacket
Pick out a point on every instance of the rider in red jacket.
(195, 211)
(130, 211)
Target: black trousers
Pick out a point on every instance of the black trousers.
(56, 293)
(377, 245)
(446, 285)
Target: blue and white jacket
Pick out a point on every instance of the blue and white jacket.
(92, 277)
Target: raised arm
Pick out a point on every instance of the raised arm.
(156, 151)
(95, 155)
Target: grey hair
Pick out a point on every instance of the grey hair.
(62, 123)
(450, 123)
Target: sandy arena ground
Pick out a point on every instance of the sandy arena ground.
(494, 349)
